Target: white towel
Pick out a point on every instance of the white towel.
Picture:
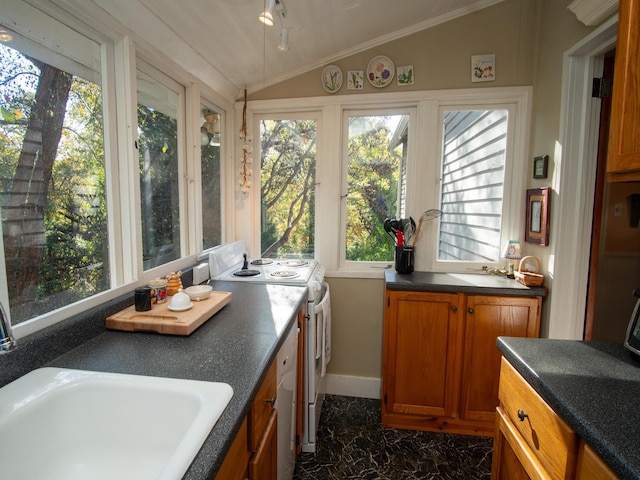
(325, 308)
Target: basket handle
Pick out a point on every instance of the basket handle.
(523, 261)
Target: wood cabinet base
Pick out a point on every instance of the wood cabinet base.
(438, 424)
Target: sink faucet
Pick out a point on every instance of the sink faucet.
(7, 341)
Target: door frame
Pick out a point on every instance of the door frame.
(576, 156)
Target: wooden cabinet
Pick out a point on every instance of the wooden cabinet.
(591, 466)
(253, 454)
(440, 361)
(533, 442)
(623, 162)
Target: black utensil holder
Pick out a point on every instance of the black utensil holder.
(404, 259)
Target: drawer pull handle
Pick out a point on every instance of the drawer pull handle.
(271, 401)
(522, 415)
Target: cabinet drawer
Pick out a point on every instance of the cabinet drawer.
(547, 435)
(262, 407)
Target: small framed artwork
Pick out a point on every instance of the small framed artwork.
(483, 68)
(405, 75)
(537, 227)
(540, 165)
(355, 80)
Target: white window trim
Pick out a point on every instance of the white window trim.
(116, 53)
(330, 131)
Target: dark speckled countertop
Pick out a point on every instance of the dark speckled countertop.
(594, 387)
(235, 346)
(478, 283)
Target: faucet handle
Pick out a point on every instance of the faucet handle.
(7, 340)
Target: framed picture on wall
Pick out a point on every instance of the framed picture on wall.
(537, 226)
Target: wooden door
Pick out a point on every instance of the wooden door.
(623, 163)
(422, 343)
(505, 464)
(487, 318)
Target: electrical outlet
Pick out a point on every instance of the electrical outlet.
(200, 273)
(617, 209)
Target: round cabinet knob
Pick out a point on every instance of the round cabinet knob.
(522, 415)
(471, 310)
(271, 401)
(454, 309)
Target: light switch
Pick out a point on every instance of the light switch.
(617, 209)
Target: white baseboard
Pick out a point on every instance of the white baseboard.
(363, 387)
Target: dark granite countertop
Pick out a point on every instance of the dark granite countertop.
(594, 387)
(478, 283)
(235, 346)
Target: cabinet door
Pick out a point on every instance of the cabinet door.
(487, 318)
(507, 451)
(591, 466)
(422, 341)
(301, 368)
(263, 465)
(623, 162)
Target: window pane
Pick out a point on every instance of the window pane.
(287, 180)
(52, 176)
(377, 153)
(159, 180)
(210, 167)
(473, 166)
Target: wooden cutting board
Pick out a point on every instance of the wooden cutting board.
(162, 320)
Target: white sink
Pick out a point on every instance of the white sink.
(58, 423)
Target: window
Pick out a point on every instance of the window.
(159, 110)
(474, 152)
(210, 168)
(287, 186)
(376, 187)
(398, 155)
(52, 168)
(70, 171)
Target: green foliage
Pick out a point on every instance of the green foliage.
(75, 260)
(373, 188)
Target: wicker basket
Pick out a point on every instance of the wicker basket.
(530, 279)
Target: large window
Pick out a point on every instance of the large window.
(52, 177)
(91, 207)
(287, 183)
(396, 156)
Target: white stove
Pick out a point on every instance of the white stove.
(229, 262)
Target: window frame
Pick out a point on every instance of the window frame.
(424, 146)
(119, 59)
(411, 112)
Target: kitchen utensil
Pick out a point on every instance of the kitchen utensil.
(426, 215)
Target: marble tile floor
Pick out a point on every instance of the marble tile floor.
(352, 444)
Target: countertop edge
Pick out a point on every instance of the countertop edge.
(611, 455)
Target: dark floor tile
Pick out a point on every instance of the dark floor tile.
(352, 444)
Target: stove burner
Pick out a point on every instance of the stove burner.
(293, 263)
(285, 274)
(262, 261)
(246, 273)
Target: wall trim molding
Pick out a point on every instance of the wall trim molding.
(593, 12)
(349, 386)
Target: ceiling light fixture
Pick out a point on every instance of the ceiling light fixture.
(283, 44)
(266, 16)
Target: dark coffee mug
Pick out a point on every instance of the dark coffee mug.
(404, 259)
(143, 299)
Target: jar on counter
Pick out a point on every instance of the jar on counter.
(158, 290)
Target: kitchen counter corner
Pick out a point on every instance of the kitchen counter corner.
(593, 386)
